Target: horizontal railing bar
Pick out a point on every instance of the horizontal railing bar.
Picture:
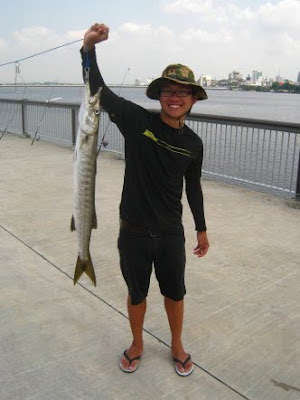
(42, 103)
(220, 119)
(245, 122)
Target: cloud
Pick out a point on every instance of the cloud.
(2, 43)
(74, 35)
(135, 28)
(59, 65)
(214, 37)
(144, 31)
(35, 37)
(260, 34)
(204, 36)
(281, 16)
(139, 45)
(188, 6)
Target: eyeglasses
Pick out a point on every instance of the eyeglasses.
(178, 92)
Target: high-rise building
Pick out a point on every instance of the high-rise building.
(205, 80)
(235, 76)
(298, 79)
(256, 77)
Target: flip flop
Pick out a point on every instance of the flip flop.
(183, 363)
(130, 362)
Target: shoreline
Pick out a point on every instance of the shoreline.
(129, 86)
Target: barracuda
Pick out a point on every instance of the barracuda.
(84, 217)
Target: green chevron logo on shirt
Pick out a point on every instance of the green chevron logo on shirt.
(165, 145)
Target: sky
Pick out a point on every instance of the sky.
(212, 37)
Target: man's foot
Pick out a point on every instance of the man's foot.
(130, 360)
(183, 367)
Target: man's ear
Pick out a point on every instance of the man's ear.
(195, 98)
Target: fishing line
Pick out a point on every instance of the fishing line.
(118, 311)
(102, 142)
(42, 52)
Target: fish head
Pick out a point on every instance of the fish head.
(90, 121)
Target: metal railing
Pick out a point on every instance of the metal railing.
(256, 153)
(259, 154)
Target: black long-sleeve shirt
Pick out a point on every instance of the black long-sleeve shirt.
(157, 158)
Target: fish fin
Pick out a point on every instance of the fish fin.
(80, 266)
(84, 266)
(73, 223)
(95, 222)
(89, 270)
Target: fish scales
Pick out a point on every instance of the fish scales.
(84, 217)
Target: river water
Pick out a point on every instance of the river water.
(257, 105)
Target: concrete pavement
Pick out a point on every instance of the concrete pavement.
(64, 342)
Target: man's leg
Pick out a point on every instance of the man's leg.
(174, 311)
(136, 314)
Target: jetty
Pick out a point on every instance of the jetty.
(64, 342)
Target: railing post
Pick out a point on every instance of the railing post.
(73, 124)
(23, 122)
(297, 198)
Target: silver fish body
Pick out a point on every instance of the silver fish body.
(84, 217)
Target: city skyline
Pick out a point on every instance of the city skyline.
(210, 36)
(226, 76)
(250, 77)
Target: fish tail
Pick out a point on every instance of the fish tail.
(89, 270)
(84, 266)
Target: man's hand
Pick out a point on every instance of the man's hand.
(203, 244)
(96, 34)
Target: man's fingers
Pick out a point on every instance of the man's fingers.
(200, 251)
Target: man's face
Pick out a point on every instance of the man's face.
(176, 100)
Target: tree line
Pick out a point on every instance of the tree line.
(285, 87)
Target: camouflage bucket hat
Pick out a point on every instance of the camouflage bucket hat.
(176, 73)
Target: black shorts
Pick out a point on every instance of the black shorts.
(140, 249)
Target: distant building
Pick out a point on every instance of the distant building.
(298, 79)
(214, 82)
(205, 80)
(223, 83)
(265, 81)
(279, 79)
(235, 76)
(248, 80)
(256, 77)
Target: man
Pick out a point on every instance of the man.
(160, 150)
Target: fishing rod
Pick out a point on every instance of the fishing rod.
(102, 142)
(36, 137)
(5, 130)
(17, 73)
